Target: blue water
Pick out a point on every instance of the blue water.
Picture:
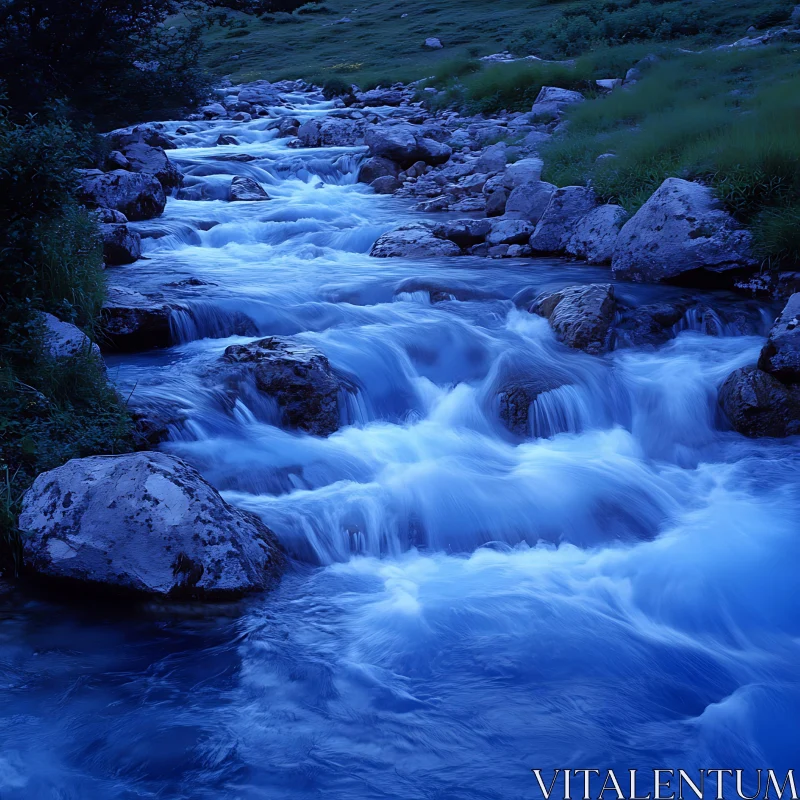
(617, 592)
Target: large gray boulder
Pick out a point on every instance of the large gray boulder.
(145, 523)
(137, 195)
(595, 235)
(298, 377)
(680, 229)
(374, 168)
(758, 404)
(150, 133)
(151, 160)
(526, 170)
(401, 144)
(432, 152)
(493, 158)
(246, 189)
(557, 225)
(529, 201)
(464, 232)
(131, 321)
(781, 354)
(331, 132)
(121, 245)
(65, 340)
(509, 231)
(581, 316)
(413, 240)
(551, 101)
(386, 185)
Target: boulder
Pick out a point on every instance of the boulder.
(386, 185)
(650, 325)
(581, 316)
(432, 152)
(492, 159)
(551, 101)
(331, 132)
(464, 232)
(64, 340)
(566, 207)
(131, 321)
(509, 231)
(298, 377)
(153, 161)
(432, 43)
(226, 139)
(413, 240)
(382, 97)
(781, 354)
(116, 160)
(529, 201)
(137, 195)
(247, 189)
(758, 404)
(496, 203)
(263, 95)
(377, 167)
(595, 235)
(288, 126)
(394, 142)
(150, 133)
(680, 229)
(109, 215)
(214, 111)
(144, 523)
(121, 245)
(526, 170)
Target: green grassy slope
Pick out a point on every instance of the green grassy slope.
(380, 45)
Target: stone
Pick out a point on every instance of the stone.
(515, 401)
(650, 325)
(413, 240)
(432, 152)
(116, 160)
(377, 167)
(496, 203)
(581, 316)
(109, 215)
(758, 404)
(492, 159)
(150, 133)
(138, 196)
(566, 207)
(609, 84)
(529, 201)
(386, 185)
(595, 235)
(298, 377)
(144, 523)
(551, 102)
(247, 189)
(382, 97)
(464, 232)
(153, 161)
(131, 321)
(121, 245)
(432, 43)
(394, 142)
(226, 139)
(214, 111)
(65, 340)
(509, 231)
(780, 356)
(679, 230)
(524, 171)
(331, 132)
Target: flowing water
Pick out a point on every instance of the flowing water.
(618, 591)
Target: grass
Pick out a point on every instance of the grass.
(727, 118)
(388, 47)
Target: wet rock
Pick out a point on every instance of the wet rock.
(136, 195)
(595, 235)
(374, 168)
(516, 399)
(298, 377)
(150, 133)
(496, 203)
(121, 245)
(758, 404)
(145, 523)
(551, 102)
(464, 232)
(781, 354)
(131, 321)
(64, 340)
(401, 144)
(225, 139)
(150, 160)
(581, 316)
(557, 224)
(680, 229)
(650, 325)
(413, 240)
(331, 132)
(246, 189)
(386, 185)
(288, 126)
(509, 231)
(432, 152)
(529, 201)
(214, 111)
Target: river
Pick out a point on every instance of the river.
(617, 592)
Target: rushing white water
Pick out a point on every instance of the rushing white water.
(615, 592)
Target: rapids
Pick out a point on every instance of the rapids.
(619, 591)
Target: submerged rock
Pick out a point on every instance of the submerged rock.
(137, 195)
(758, 404)
(413, 241)
(247, 189)
(581, 316)
(516, 399)
(781, 354)
(680, 229)
(297, 376)
(146, 523)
